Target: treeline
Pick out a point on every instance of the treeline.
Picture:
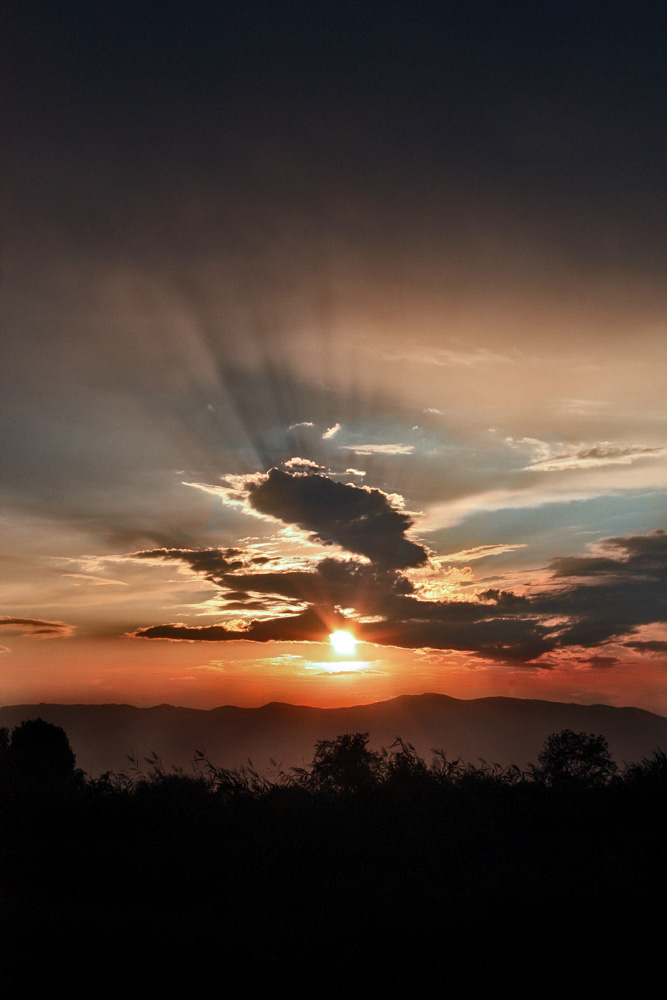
(36, 760)
(379, 862)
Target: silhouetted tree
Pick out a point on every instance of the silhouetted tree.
(568, 756)
(346, 763)
(39, 756)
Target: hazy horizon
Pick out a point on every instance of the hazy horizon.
(333, 708)
(321, 318)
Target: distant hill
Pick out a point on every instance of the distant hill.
(502, 730)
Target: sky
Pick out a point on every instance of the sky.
(320, 317)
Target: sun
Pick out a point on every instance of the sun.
(342, 642)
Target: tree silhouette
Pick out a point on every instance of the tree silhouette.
(39, 756)
(346, 763)
(575, 757)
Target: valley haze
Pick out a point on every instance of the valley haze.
(498, 730)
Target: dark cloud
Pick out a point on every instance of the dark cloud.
(504, 598)
(568, 566)
(335, 582)
(489, 627)
(652, 546)
(360, 520)
(609, 596)
(367, 588)
(37, 627)
(633, 556)
(198, 633)
(312, 625)
(625, 590)
(296, 584)
(344, 583)
(213, 564)
(510, 640)
(650, 646)
(602, 662)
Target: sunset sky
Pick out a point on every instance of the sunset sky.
(333, 316)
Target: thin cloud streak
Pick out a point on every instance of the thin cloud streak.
(588, 457)
(36, 628)
(378, 449)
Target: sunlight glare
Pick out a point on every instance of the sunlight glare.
(343, 643)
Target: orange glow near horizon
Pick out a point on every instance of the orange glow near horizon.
(206, 676)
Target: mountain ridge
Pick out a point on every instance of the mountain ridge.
(498, 729)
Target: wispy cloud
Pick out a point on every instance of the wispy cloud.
(331, 432)
(591, 456)
(451, 357)
(481, 552)
(584, 407)
(378, 449)
(452, 512)
(95, 581)
(38, 628)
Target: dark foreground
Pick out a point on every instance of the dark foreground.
(361, 872)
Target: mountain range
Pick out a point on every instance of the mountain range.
(502, 730)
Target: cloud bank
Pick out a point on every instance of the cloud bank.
(585, 601)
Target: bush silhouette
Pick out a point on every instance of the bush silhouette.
(346, 763)
(39, 756)
(568, 757)
(650, 772)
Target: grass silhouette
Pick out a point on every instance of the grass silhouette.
(379, 864)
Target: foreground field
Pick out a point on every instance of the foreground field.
(362, 868)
